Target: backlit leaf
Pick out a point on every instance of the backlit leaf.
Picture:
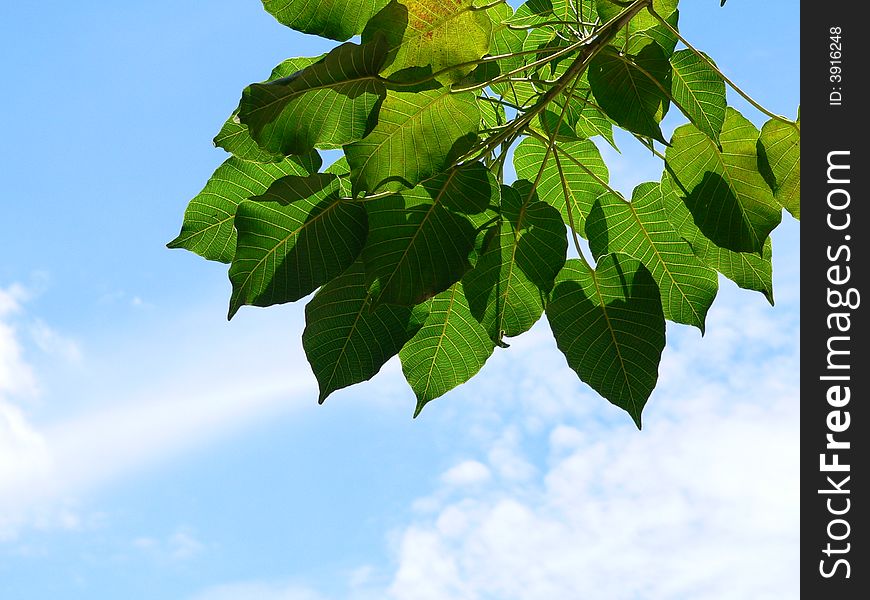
(779, 156)
(579, 170)
(729, 200)
(431, 33)
(334, 19)
(641, 230)
(700, 91)
(508, 286)
(294, 238)
(421, 240)
(346, 339)
(630, 89)
(609, 324)
(417, 136)
(328, 104)
(447, 351)
(208, 221)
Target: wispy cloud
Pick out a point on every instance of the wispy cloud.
(171, 403)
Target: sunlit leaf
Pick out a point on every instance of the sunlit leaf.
(328, 104)
(779, 156)
(346, 339)
(208, 221)
(730, 201)
(641, 230)
(418, 135)
(609, 324)
(447, 351)
(294, 238)
(421, 240)
(335, 19)
(700, 91)
(508, 286)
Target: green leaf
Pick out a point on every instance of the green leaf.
(644, 28)
(346, 339)
(508, 286)
(449, 349)
(630, 88)
(747, 269)
(590, 122)
(293, 239)
(328, 104)
(334, 19)
(208, 221)
(234, 136)
(431, 33)
(700, 91)
(641, 229)
(779, 158)
(609, 325)
(418, 135)
(579, 170)
(729, 200)
(421, 240)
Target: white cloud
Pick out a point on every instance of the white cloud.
(142, 403)
(466, 473)
(701, 504)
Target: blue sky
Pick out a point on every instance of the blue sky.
(150, 449)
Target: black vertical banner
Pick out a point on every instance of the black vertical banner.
(835, 363)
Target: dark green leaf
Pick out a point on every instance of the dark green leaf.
(630, 89)
(609, 325)
(449, 349)
(208, 221)
(421, 240)
(346, 339)
(293, 239)
(334, 19)
(418, 135)
(509, 284)
(729, 200)
(641, 230)
(328, 104)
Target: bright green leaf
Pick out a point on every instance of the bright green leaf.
(431, 33)
(747, 269)
(418, 135)
(630, 88)
(729, 200)
(346, 339)
(421, 240)
(208, 221)
(700, 91)
(578, 177)
(234, 136)
(644, 28)
(294, 238)
(449, 349)
(609, 325)
(508, 286)
(334, 19)
(328, 104)
(641, 230)
(779, 157)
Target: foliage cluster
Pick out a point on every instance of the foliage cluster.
(412, 240)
